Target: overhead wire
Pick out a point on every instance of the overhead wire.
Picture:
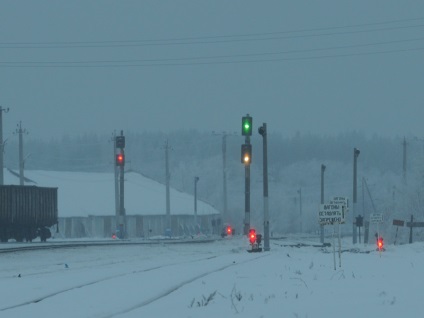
(212, 62)
(193, 58)
(201, 39)
(221, 58)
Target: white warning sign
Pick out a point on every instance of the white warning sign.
(331, 213)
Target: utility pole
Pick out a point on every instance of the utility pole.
(404, 160)
(196, 179)
(224, 134)
(21, 131)
(322, 201)
(263, 132)
(224, 178)
(356, 153)
(167, 180)
(300, 208)
(2, 144)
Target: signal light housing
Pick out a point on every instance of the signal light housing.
(246, 126)
(252, 236)
(259, 238)
(380, 243)
(229, 230)
(120, 159)
(120, 142)
(246, 154)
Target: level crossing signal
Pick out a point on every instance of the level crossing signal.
(246, 125)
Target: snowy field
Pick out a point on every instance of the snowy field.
(218, 279)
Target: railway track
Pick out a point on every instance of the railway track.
(177, 286)
(222, 262)
(17, 247)
(97, 281)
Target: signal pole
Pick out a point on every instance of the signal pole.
(120, 162)
(247, 195)
(115, 172)
(2, 144)
(121, 201)
(263, 132)
(246, 130)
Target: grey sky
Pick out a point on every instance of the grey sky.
(358, 66)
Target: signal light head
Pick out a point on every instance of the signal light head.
(380, 243)
(246, 154)
(246, 126)
(259, 238)
(252, 236)
(246, 159)
(120, 159)
(120, 141)
(229, 230)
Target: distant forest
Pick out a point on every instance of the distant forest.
(294, 165)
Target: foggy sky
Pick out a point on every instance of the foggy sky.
(321, 67)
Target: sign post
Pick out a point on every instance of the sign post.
(344, 201)
(377, 218)
(333, 213)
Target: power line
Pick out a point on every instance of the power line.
(266, 36)
(223, 58)
(317, 57)
(42, 63)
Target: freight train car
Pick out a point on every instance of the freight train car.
(27, 212)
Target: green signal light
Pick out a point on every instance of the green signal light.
(246, 126)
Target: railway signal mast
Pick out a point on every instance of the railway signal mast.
(120, 163)
(263, 132)
(246, 158)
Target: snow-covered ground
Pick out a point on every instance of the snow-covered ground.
(218, 279)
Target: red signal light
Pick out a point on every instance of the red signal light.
(380, 243)
(120, 159)
(229, 230)
(252, 236)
